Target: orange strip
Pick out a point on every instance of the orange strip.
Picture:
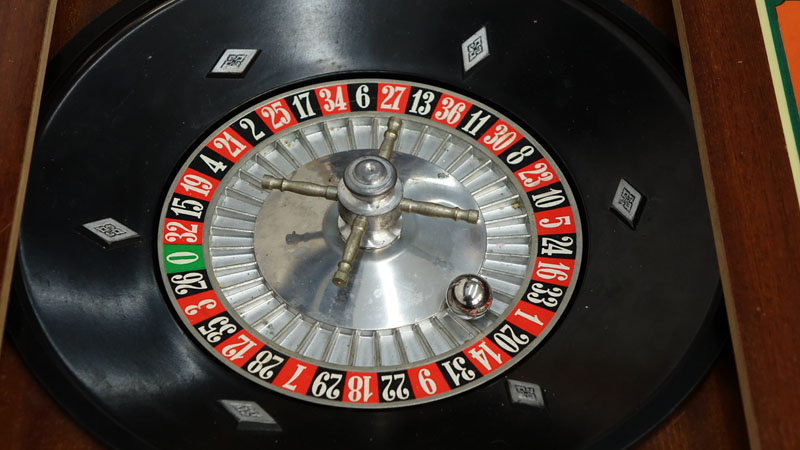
(789, 23)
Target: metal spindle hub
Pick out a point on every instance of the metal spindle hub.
(370, 188)
(370, 176)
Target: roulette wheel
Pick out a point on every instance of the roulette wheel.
(283, 225)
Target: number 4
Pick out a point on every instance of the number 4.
(212, 164)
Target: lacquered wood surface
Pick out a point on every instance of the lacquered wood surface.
(711, 418)
(25, 28)
(753, 205)
(29, 418)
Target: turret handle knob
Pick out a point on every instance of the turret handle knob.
(389, 138)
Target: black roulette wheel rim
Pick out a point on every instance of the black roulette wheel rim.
(113, 410)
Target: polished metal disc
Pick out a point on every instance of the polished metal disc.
(401, 285)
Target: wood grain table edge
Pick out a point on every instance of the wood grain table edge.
(752, 203)
(24, 46)
(712, 204)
